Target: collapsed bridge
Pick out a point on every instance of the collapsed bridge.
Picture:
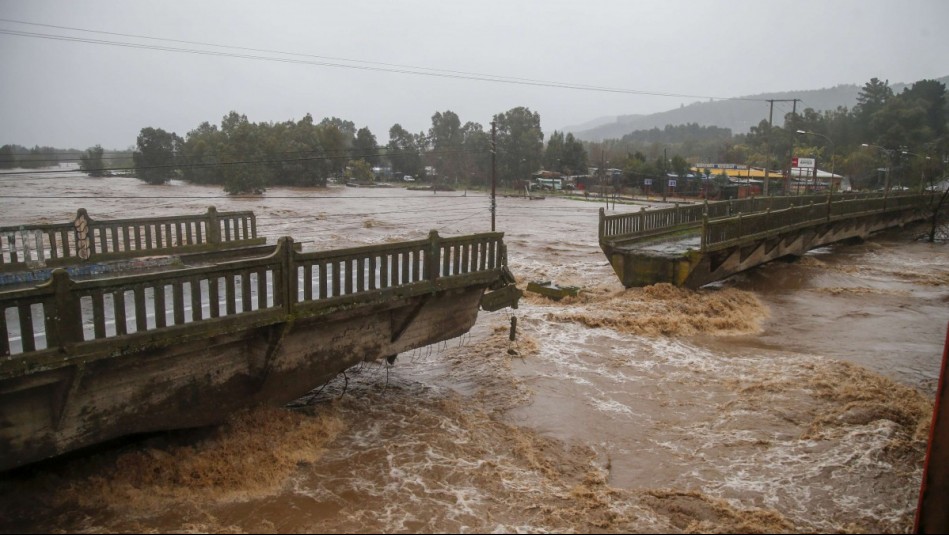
(693, 245)
(86, 358)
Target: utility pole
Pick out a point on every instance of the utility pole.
(787, 183)
(665, 172)
(767, 149)
(606, 197)
(494, 171)
(767, 143)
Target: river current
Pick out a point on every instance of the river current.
(795, 397)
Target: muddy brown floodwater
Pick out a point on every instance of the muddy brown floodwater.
(793, 398)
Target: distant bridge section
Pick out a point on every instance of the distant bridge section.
(693, 245)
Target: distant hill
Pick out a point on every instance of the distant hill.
(739, 115)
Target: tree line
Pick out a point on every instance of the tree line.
(247, 157)
(18, 156)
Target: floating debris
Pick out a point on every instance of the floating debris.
(551, 290)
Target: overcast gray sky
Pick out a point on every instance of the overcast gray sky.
(355, 59)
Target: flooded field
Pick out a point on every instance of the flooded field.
(792, 398)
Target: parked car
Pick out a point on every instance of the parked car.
(408, 178)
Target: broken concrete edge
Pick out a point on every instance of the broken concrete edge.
(551, 290)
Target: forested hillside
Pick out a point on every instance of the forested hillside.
(739, 114)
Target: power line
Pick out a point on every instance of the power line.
(368, 65)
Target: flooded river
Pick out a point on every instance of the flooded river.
(792, 398)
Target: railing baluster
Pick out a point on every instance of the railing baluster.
(445, 251)
(404, 268)
(118, 312)
(178, 302)
(197, 306)
(372, 271)
(141, 315)
(348, 268)
(465, 258)
(229, 291)
(262, 289)
(64, 240)
(247, 299)
(161, 310)
(4, 336)
(103, 243)
(323, 280)
(26, 328)
(214, 297)
(456, 261)
(98, 314)
(337, 279)
(114, 230)
(386, 259)
(308, 282)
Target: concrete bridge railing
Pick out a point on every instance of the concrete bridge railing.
(728, 231)
(630, 227)
(679, 246)
(40, 325)
(89, 240)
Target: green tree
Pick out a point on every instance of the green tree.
(476, 147)
(574, 159)
(155, 155)
(91, 161)
(553, 154)
(296, 154)
(447, 140)
(403, 151)
(359, 170)
(520, 144)
(870, 100)
(637, 169)
(679, 166)
(930, 95)
(200, 155)
(365, 147)
(243, 156)
(8, 157)
(336, 137)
